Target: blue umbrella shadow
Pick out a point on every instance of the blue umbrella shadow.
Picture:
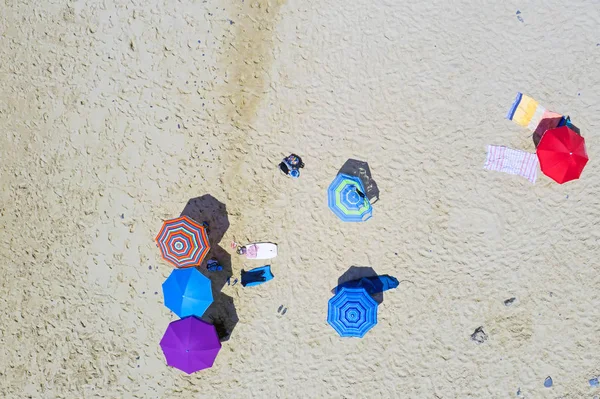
(360, 169)
(223, 315)
(356, 273)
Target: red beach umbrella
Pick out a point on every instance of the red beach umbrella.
(562, 154)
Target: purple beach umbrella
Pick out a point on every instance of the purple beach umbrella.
(190, 344)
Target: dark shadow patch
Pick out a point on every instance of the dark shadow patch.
(543, 125)
(284, 168)
(547, 123)
(356, 273)
(218, 278)
(574, 128)
(223, 315)
(207, 208)
(361, 170)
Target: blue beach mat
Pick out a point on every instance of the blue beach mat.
(256, 276)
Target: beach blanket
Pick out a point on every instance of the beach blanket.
(528, 113)
(514, 162)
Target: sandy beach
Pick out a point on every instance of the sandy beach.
(115, 115)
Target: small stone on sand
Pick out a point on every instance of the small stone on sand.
(509, 301)
(479, 335)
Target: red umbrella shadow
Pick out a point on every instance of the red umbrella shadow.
(548, 123)
(356, 273)
(207, 209)
(360, 169)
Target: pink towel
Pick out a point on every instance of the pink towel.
(251, 251)
(514, 162)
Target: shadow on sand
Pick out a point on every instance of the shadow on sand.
(356, 273)
(207, 208)
(541, 129)
(221, 312)
(361, 170)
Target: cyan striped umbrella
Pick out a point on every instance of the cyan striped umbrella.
(187, 292)
(352, 312)
(183, 242)
(347, 199)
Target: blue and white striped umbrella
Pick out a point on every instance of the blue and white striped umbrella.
(347, 200)
(352, 312)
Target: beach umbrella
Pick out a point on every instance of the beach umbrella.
(183, 242)
(347, 200)
(190, 344)
(187, 292)
(352, 312)
(562, 154)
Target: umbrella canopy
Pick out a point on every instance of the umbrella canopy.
(347, 199)
(183, 242)
(562, 154)
(373, 285)
(187, 292)
(190, 344)
(352, 312)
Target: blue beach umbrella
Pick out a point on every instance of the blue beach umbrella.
(347, 200)
(187, 292)
(352, 312)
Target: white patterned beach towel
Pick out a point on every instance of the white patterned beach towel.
(514, 162)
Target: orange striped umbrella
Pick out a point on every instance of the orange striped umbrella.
(183, 242)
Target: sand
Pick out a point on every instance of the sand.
(114, 114)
